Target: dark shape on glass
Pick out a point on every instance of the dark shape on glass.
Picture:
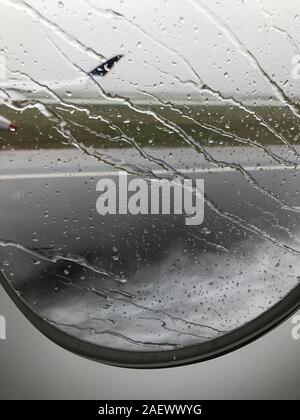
(105, 67)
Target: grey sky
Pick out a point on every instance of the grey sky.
(165, 42)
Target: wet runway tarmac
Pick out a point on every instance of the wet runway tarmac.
(149, 283)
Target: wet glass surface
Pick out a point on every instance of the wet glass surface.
(200, 93)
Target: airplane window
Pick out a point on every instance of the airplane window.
(149, 175)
